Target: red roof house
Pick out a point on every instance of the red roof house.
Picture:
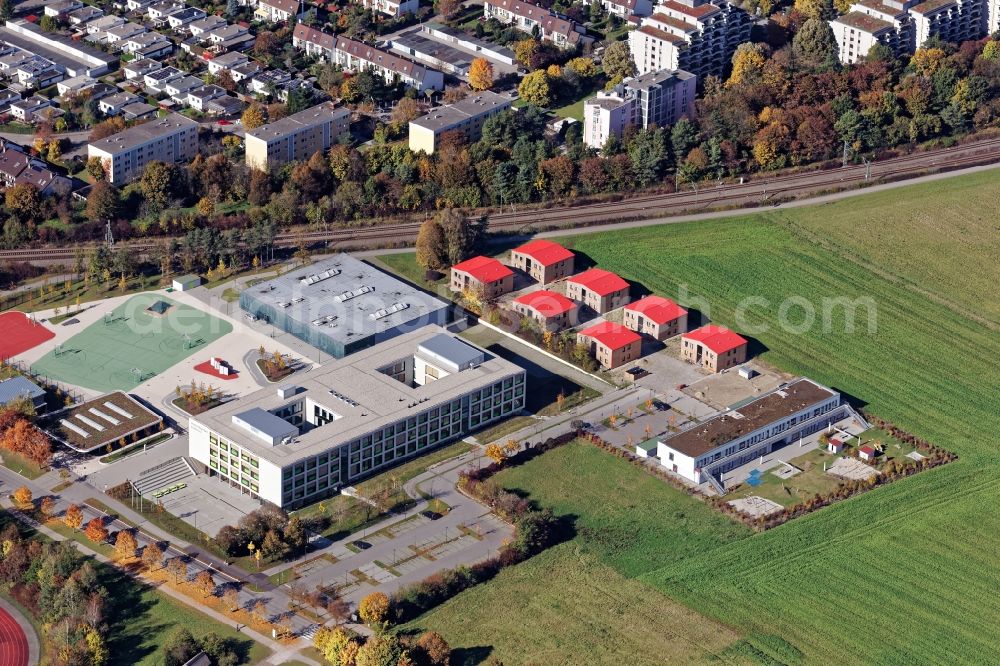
(599, 289)
(553, 311)
(482, 273)
(866, 453)
(612, 344)
(656, 316)
(543, 260)
(714, 347)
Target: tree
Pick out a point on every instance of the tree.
(47, 507)
(125, 546)
(152, 557)
(73, 517)
(54, 152)
(253, 117)
(534, 88)
(177, 568)
(374, 609)
(102, 204)
(432, 249)
(525, 51)
(204, 582)
(48, 23)
(406, 109)
(435, 648)
(97, 649)
(379, 651)
(447, 8)
(617, 62)
(6, 9)
(295, 534)
(481, 74)
(495, 453)
(462, 237)
(748, 63)
(180, 648)
(95, 168)
(583, 67)
(23, 201)
(22, 498)
(155, 185)
(266, 44)
(816, 9)
(815, 45)
(231, 597)
(96, 531)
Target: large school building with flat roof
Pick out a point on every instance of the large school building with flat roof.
(355, 417)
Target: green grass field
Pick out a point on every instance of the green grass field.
(102, 356)
(902, 574)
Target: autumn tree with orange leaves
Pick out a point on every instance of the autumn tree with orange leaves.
(96, 531)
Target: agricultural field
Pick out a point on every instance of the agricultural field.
(590, 609)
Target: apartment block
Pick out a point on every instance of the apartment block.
(697, 36)
(173, 138)
(484, 275)
(598, 289)
(466, 116)
(611, 344)
(658, 317)
(543, 260)
(656, 98)
(296, 137)
(714, 348)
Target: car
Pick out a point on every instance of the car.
(660, 405)
(225, 122)
(361, 545)
(430, 515)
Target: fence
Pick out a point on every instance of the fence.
(47, 383)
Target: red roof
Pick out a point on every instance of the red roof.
(717, 338)
(544, 252)
(836, 442)
(484, 269)
(611, 335)
(600, 281)
(661, 310)
(867, 449)
(546, 303)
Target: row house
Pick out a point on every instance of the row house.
(355, 56)
(278, 11)
(314, 42)
(529, 17)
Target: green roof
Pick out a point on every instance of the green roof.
(648, 445)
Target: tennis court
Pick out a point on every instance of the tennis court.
(141, 338)
(18, 334)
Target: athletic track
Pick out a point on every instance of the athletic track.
(13, 641)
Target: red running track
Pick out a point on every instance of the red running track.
(18, 334)
(13, 641)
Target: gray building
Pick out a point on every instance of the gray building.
(341, 305)
(20, 388)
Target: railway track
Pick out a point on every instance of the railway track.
(730, 195)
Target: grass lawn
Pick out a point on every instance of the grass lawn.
(870, 558)
(504, 428)
(405, 264)
(20, 464)
(579, 602)
(807, 483)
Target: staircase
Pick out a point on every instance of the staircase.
(166, 475)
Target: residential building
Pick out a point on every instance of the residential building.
(598, 289)
(553, 312)
(611, 344)
(138, 111)
(355, 56)
(653, 99)
(296, 137)
(17, 167)
(183, 17)
(394, 8)
(75, 85)
(230, 37)
(220, 63)
(178, 88)
(25, 109)
(62, 8)
(484, 276)
(530, 18)
(355, 417)
(205, 25)
(709, 448)
(122, 32)
(341, 305)
(99, 27)
(314, 42)
(198, 98)
(697, 36)
(278, 11)
(158, 79)
(21, 388)
(173, 138)
(714, 348)
(112, 105)
(150, 45)
(246, 71)
(466, 116)
(543, 260)
(270, 81)
(83, 15)
(655, 316)
(139, 68)
(159, 11)
(626, 9)
(224, 106)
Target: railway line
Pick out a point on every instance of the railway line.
(713, 197)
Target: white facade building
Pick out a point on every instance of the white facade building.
(173, 138)
(657, 98)
(529, 17)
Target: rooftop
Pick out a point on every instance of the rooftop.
(140, 134)
(19, 387)
(105, 420)
(382, 58)
(360, 396)
(611, 335)
(864, 22)
(484, 269)
(717, 338)
(656, 79)
(314, 36)
(546, 303)
(932, 6)
(345, 298)
(321, 113)
(661, 310)
(599, 281)
(544, 252)
(452, 114)
(724, 428)
(413, 40)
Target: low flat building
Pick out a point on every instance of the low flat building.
(598, 289)
(172, 138)
(226, 61)
(466, 116)
(103, 424)
(296, 137)
(714, 348)
(417, 45)
(543, 260)
(139, 68)
(626, 9)
(611, 344)
(551, 311)
(485, 276)
(341, 305)
(478, 47)
(656, 98)
(355, 56)
(352, 418)
(707, 449)
(112, 105)
(74, 57)
(21, 388)
(658, 317)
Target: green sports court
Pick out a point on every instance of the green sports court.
(140, 338)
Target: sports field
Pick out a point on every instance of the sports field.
(18, 334)
(131, 345)
(903, 574)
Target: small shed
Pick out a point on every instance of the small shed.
(746, 372)
(866, 453)
(834, 446)
(646, 449)
(186, 282)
